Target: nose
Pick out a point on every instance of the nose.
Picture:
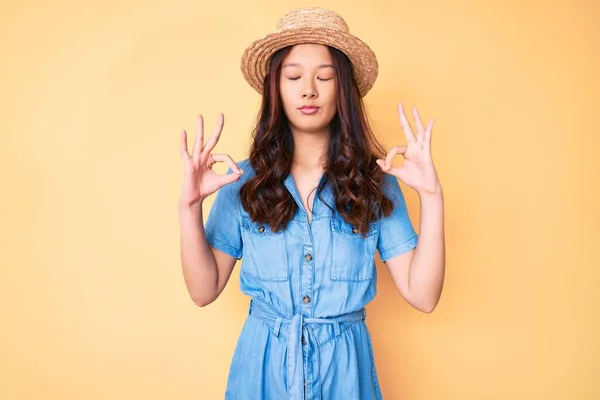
(309, 92)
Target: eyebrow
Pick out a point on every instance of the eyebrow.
(298, 65)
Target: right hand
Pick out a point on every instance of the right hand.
(200, 180)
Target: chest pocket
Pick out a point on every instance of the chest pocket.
(353, 256)
(265, 255)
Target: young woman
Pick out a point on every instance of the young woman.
(306, 212)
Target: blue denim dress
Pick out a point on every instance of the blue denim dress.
(305, 335)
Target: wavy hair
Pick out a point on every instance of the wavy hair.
(350, 160)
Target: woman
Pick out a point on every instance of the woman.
(306, 213)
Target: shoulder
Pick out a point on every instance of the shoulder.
(389, 184)
(390, 188)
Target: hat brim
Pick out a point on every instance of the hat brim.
(255, 60)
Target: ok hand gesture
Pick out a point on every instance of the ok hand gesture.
(417, 170)
(200, 180)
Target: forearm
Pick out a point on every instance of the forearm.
(199, 266)
(427, 268)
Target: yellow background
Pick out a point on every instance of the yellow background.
(94, 95)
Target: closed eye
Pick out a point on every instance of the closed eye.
(321, 79)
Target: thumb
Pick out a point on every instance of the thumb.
(230, 178)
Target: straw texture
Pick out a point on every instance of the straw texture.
(310, 25)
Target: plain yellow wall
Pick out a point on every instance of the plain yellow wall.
(93, 97)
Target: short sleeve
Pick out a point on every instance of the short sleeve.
(222, 227)
(396, 232)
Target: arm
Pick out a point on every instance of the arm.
(419, 273)
(205, 269)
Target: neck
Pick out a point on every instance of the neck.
(309, 149)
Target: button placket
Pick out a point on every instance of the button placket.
(307, 278)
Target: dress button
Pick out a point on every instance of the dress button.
(306, 299)
(261, 229)
(355, 230)
(308, 257)
(303, 340)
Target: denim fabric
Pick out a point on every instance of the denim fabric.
(305, 335)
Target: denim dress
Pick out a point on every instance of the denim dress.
(305, 335)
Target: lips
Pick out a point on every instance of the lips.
(308, 109)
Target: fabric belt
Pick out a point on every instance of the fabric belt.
(297, 335)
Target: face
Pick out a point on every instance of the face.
(308, 88)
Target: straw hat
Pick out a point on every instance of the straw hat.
(310, 25)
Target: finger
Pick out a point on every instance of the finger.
(392, 153)
(410, 137)
(199, 137)
(228, 160)
(427, 140)
(227, 179)
(208, 163)
(381, 164)
(419, 124)
(183, 146)
(395, 171)
(214, 138)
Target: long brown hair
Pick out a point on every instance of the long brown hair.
(350, 169)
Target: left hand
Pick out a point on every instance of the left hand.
(417, 170)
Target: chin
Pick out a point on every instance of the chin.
(312, 128)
